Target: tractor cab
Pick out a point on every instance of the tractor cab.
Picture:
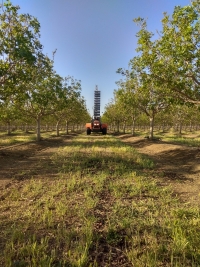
(96, 122)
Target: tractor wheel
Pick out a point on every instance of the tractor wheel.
(104, 131)
(88, 131)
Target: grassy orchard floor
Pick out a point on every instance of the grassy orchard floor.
(19, 137)
(102, 208)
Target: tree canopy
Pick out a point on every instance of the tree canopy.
(165, 70)
(29, 85)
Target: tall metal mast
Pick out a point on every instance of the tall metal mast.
(97, 100)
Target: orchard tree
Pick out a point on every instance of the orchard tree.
(164, 119)
(194, 118)
(19, 45)
(112, 115)
(184, 115)
(108, 115)
(173, 60)
(123, 115)
(80, 114)
(65, 102)
(151, 101)
(9, 113)
(144, 94)
(126, 94)
(42, 92)
(73, 112)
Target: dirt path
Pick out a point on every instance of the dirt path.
(178, 164)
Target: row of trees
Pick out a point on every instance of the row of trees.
(164, 76)
(30, 88)
(122, 117)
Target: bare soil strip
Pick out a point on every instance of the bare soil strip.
(103, 253)
(178, 164)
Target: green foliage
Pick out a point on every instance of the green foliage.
(30, 88)
(172, 61)
(165, 72)
(19, 46)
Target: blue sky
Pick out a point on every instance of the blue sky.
(94, 38)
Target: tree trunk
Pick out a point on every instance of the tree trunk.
(38, 135)
(114, 127)
(47, 127)
(163, 127)
(57, 128)
(133, 127)
(151, 120)
(180, 128)
(117, 126)
(124, 127)
(26, 128)
(8, 128)
(67, 127)
(190, 126)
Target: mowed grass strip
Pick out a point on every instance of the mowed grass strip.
(16, 137)
(103, 209)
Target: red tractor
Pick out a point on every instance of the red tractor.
(96, 126)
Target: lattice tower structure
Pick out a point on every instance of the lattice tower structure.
(97, 102)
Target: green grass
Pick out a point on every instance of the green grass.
(188, 141)
(186, 138)
(102, 199)
(18, 137)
